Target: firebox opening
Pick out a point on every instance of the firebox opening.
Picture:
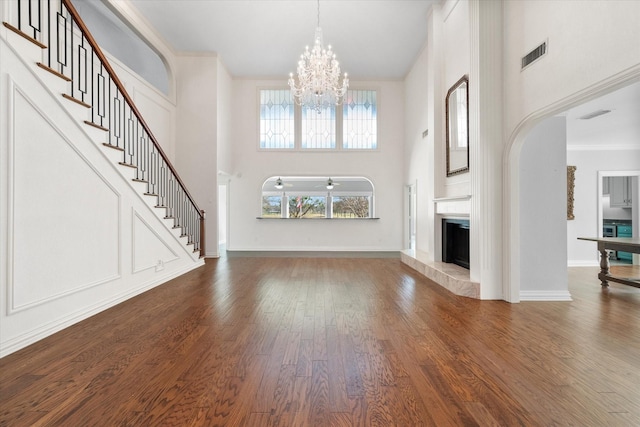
(455, 241)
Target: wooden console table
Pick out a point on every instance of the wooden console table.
(626, 244)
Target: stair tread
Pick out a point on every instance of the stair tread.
(25, 35)
(76, 100)
(52, 71)
(115, 147)
(95, 125)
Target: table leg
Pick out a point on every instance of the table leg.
(604, 266)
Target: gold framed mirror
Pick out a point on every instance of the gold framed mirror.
(457, 127)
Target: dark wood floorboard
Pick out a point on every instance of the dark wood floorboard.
(334, 342)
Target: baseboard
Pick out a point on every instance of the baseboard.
(545, 296)
(582, 263)
(314, 254)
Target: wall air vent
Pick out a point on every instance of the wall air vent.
(534, 55)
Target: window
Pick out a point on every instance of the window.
(272, 206)
(351, 207)
(359, 122)
(350, 126)
(276, 119)
(319, 129)
(317, 197)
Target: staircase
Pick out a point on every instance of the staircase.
(70, 53)
(92, 212)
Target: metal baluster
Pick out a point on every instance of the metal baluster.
(49, 15)
(61, 42)
(38, 28)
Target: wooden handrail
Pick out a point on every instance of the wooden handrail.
(103, 59)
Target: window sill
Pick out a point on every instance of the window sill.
(316, 219)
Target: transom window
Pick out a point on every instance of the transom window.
(350, 126)
(317, 197)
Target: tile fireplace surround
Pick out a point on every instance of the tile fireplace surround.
(450, 276)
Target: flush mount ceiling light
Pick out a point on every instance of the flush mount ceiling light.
(279, 185)
(318, 84)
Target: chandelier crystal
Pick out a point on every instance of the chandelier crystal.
(318, 84)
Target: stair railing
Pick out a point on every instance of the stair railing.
(73, 55)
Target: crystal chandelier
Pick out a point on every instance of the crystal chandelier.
(318, 83)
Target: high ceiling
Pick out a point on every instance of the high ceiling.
(264, 38)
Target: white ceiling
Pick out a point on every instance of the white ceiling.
(621, 126)
(377, 39)
(264, 38)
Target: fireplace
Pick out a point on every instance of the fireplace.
(455, 241)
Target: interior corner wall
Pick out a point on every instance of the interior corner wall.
(225, 134)
(418, 149)
(197, 135)
(543, 189)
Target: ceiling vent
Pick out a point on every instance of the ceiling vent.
(534, 55)
(594, 114)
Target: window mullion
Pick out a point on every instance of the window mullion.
(339, 126)
(297, 128)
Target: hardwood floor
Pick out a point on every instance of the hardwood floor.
(333, 342)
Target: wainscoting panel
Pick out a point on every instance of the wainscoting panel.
(75, 242)
(149, 250)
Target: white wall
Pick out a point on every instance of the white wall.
(456, 63)
(251, 167)
(225, 115)
(197, 135)
(588, 42)
(114, 36)
(418, 150)
(442, 62)
(77, 236)
(157, 110)
(543, 189)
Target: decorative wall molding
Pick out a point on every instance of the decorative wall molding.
(137, 263)
(13, 305)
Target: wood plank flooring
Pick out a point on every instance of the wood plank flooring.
(333, 342)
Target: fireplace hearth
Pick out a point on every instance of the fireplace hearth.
(455, 241)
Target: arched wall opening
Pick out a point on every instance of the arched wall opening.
(520, 258)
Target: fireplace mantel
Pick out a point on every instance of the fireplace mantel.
(458, 205)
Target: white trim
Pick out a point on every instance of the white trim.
(583, 263)
(545, 296)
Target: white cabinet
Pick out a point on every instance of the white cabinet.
(605, 185)
(620, 191)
